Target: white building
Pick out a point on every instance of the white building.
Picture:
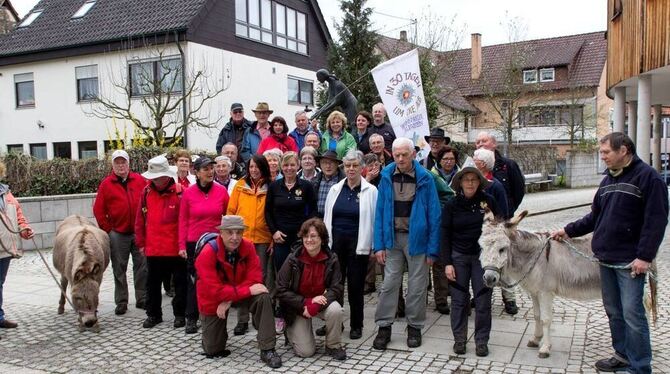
(66, 52)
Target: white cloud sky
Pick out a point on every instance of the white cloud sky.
(542, 18)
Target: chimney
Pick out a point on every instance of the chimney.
(403, 36)
(476, 53)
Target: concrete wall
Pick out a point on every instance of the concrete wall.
(582, 169)
(45, 213)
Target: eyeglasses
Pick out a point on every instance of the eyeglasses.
(449, 159)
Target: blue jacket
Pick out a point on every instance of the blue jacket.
(424, 229)
(250, 141)
(628, 215)
(300, 138)
(497, 191)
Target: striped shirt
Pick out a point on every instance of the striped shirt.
(404, 190)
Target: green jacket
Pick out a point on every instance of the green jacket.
(344, 144)
(444, 192)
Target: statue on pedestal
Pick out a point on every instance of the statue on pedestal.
(338, 95)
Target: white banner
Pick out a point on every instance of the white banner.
(399, 84)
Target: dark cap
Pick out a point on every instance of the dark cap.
(329, 155)
(202, 162)
(236, 106)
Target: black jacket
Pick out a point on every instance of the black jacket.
(462, 221)
(288, 282)
(286, 210)
(628, 215)
(228, 134)
(507, 171)
(385, 130)
(363, 144)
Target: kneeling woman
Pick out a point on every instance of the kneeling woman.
(309, 285)
(462, 219)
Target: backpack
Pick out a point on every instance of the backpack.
(145, 192)
(206, 238)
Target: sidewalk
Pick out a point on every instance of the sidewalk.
(49, 342)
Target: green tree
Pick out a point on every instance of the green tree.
(352, 57)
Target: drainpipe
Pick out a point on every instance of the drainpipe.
(183, 88)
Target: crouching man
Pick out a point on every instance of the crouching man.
(229, 273)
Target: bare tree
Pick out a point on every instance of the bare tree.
(159, 96)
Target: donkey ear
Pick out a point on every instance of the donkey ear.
(515, 220)
(488, 215)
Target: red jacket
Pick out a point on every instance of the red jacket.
(115, 206)
(156, 228)
(217, 284)
(271, 142)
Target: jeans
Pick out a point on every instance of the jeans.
(622, 298)
(4, 267)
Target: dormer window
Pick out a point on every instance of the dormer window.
(30, 18)
(529, 76)
(547, 75)
(84, 9)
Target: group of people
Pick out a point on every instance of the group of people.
(277, 230)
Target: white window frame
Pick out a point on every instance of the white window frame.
(547, 70)
(86, 73)
(22, 79)
(265, 26)
(30, 18)
(528, 72)
(300, 81)
(83, 10)
(156, 65)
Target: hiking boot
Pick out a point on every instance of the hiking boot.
(511, 308)
(321, 331)
(355, 333)
(121, 309)
(271, 358)
(241, 328)
(443, 309)
(611, 364)
(191, 326)
(482, 350)
(383, 338)
(179, 322)
(413, 337)
(151, 322)
(7, 324)
(140, 304)
(459, 348)
(337, 353)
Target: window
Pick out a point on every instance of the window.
(25, 90)
(39, 151)
(15, 148)
(87, 82)
(88, 150)
(62, 150)
(571, 115)
(84, 9)
(529, 76)
(288, 28)
(30, 18)
(146, 76)
(113, 145)
(300, 91)
(547, 75)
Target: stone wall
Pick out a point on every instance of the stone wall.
(581, 169)
(45, 213)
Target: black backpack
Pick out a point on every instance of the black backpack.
(206, 238)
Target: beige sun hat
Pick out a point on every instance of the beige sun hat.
(159, 167)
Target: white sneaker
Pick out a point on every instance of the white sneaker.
(280, 325)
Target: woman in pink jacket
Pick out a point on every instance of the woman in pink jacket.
(202, 206)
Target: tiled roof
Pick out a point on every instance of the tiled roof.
(584, 55)
(108, 20)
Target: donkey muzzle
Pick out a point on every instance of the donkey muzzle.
(491, 276)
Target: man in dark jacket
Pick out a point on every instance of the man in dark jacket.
(302, 127)
(437, 140)
(380, 127)
(229, 273)
(115, 207)
(628, 219)
(233, 131)
(509, 174)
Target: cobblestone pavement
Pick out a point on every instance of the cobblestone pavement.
(48, 342)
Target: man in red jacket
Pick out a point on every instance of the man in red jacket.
(115, 208)
(229, 273)
(156, 234)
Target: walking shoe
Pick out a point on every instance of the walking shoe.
(443, 309)
(383, 338)
(179, 322)
(481, 350)
(241, 328)
(280, 325)
(511, 308)
(140, 304)
(355, 333)
(191, 326)
(121, 309)
(413, 337)
(459, 348)
(7, 324)
(337, 353)
(321, 331)
(224, 353)
(271, 358)
(611, 364)
(151, 322)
